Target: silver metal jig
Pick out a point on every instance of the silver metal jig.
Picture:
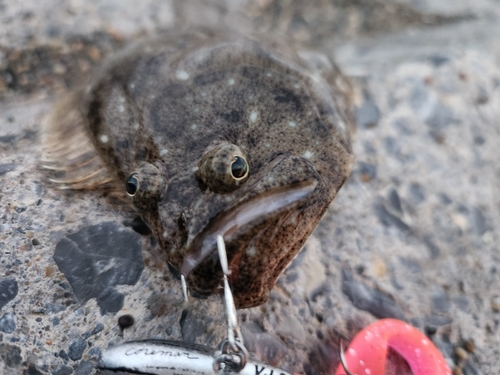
(164, 357)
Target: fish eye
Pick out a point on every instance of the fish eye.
(132, 184)
(223, 168)
(239, 168)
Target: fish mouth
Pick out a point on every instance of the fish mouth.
(263, 207)
(263, 227)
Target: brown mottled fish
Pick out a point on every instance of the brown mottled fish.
(212, 134)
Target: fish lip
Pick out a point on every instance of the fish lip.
(234, 220)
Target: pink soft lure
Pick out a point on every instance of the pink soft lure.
(367, 353)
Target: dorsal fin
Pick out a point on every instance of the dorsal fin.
(69, 152)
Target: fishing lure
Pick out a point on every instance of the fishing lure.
(163, 357)
(367, 353)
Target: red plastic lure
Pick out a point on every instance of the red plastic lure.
(367, 353)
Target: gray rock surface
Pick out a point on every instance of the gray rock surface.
(414, 233)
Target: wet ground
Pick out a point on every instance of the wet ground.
(413, 234)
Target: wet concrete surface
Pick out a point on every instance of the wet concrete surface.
(413, 234)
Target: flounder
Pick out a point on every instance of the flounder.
(208, 134)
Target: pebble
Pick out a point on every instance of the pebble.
(84, 368)
(110, 300)
(417, 193)
(63, 355)
(436, 321)
(94, 353)
(8, 291)
(370, 300)
(471, 369)
(440, 117)
(7, 323)
(368, 114)
(388, 219)
(63, 370)
(191, 326)
(462, 302)
(99, 257)
(479, 221)
(469, 346)
(32, 370)
(53, 308)
(76, 349)
(395, 201)
(367, 171)
(266, 346)
(434, 250)
(290, 326)
(8, 167)
(11, 354)
(410, 264)
(461, 353)
(439, 300)
(98, 328)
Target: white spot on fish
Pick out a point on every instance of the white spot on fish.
(203, 93)
(182, 75)
(194, 126)
(269, 74)
(293, 124)
(135, 125)
(253, 116)
(230, 81)
(121, 99)
(165, 234)
(163, 152)
(297, 86)
(270, 179)
(267, 144)
(132, 85)
(152, 96)
(195, 169)
(307, 154)
(104, 138)
(252, 251)
(121, 108)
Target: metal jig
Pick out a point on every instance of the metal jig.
(165, 357)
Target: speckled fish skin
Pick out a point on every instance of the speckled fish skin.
(161, 107)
